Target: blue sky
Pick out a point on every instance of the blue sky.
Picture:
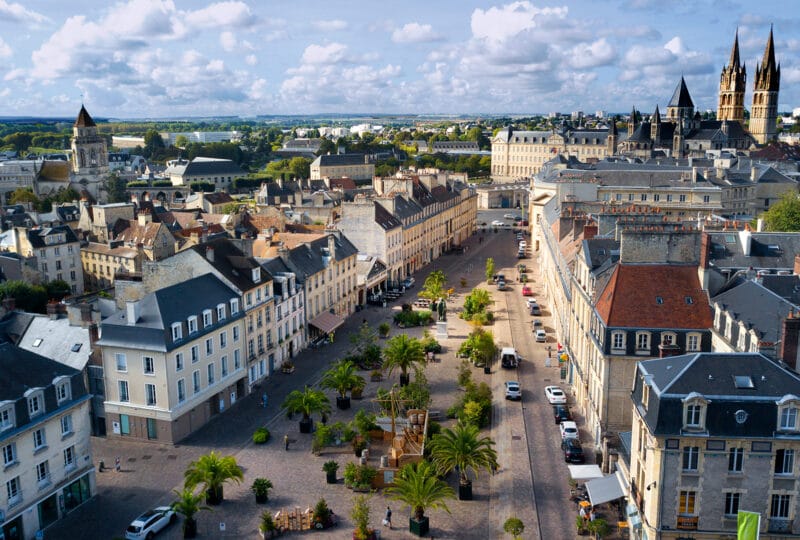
(157, 58)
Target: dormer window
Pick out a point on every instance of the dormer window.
(642, 342)
(257, 274)
(618, 342)
(220, 312)
(787, 413)
(35, 398)
(192, 323)
(63, 389)
(207, 319)
(668, 338)
(177, 331)
(694, 412)
(7, 419)
(234, 306)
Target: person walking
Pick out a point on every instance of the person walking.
(117, 464)
(286, 442)
(264, 400)
(387, 521)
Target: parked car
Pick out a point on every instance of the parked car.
(536, 324)
(497, 223)
(569, 429)
(522, 245)
(408, 282)
(526, 291)
(573, 451)
(561, 413)
(150, 523)
(555, 395)
(521, 255)
(513, 390)
(508, 216)
(531, 302)
(535, 309)
(501, 285)
(541, 336)
(509, 357)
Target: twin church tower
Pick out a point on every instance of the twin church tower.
(764, 112)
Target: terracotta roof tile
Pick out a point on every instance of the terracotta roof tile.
(654, 296)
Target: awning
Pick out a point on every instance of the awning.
(326, 322)
(582, 473)
(604, 489)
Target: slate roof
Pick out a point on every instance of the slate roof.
(307, 259)
(681, 97)
(158, 310)
(54, 171)
(231, 262)
(767, 250)
(84, 119)
(23, 370)
(384, 219)
(711, 375)
(338, 160)
(631, 298)
(757, 307)
(597, 251)
(787, 287)
(132, 232)
(275, 267)
(66, 344)
(218, 197)
(37, 236)
(105, 249)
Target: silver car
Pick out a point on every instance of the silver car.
(513, 390)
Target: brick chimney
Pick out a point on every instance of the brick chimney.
(790, 336)
(589, 230)
(705, 250)
(145, 217)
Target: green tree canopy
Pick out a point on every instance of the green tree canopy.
(434, 286)
(417, 485)
(115, 187)
(24, 195)
(300, 167)
(212, 471)
(784, 215)
(462, 449)
(402, 352)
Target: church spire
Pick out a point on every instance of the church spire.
(734, 61)
(764, 113)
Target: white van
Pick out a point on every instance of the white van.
(509, 357)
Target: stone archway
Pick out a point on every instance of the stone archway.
(161, 196)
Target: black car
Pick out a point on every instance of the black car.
(573, 451)
(561, 413)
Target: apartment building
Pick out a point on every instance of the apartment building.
(44, 435)
(57, 252)
(173, 360)
(101, 263)
(375, 232)
(714, 434)
(355, 166)
(290, 311)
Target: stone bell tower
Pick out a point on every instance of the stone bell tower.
(89, 150)
(732, 86)
(764, 114)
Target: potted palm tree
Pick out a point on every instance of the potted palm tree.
(357, 392)
(342, 377)
(330, 468)
(267, 527)
(307, 402)
(360, 515)
(212, 471)
(261, 487)
(188, 505)
(417, 485)
(402, 352)
(383, 329)
(462, 449)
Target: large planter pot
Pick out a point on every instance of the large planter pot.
(331, 477)
(306, 424)
(214, 496)
(419, 526)
(262, 499)
(342, 403)
(465, 492)
(189, 528)
(404, 379)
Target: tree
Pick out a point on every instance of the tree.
(784, 215)
(326, 147)
(181, 141)
(212, 471)
(360, 515)
(115, 187)
(152, 143)
(363, 339)
(417, 485)
(188, 505)
(461, 449)
(514, 527)
(24, 196)
(402, 352)
(28, 297)
(307, 403)
(341, 377)
(57, 289)
(300, 167)
(434, 286)
(489, 269)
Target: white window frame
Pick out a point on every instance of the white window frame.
(121, 361)
(235, 333)
(66, 425)
(787, 464)
(669, 338)
(221, 312)
(7, 417)
(148, 365)
(195, 353)
(735, 459)
(150, 396)
(35, 401)
(618, 336)
(179, 361)
(208, 318)
(693, 455)
(63, 391)
(640, 338)
(39, 439)
(224, 366)
(191, 324)
(732, 509)
(181, 384)
(177, 331)
(787, 413)
(196, 383)
(123, 394)
(70, 461)
(211, 373)
(237, 359)
(223, 339)
(43, 473)
(234, 303)
(209, 346)
(14, 491)
(9, 454)
(693, 337)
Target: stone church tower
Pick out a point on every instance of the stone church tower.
(764, 114)
(89, 150)
(732, 84)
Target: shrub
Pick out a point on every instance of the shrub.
(161, 183)
(464, 372)
(434, 428)
(358, 476)
(330, 466)
(429, 343)
(323, 436)
(413, 318)
(261, 435)
(383, 329)
(138, 183)
(364, 422)
(475, 406)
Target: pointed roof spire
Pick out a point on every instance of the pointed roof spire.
(84, 119)
(681, 97)
(769, 53)
(657, 115)
(613, 126)
(734, 61)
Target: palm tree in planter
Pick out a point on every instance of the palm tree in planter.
(342, 377)
(462, 449)
(188, 504)
(212, 471)
(261, 487)
(402, 352)
(307, 402)
(330, 468)
(417, 485)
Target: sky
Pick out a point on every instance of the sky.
(178, 58)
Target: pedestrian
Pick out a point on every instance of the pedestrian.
(264, 400)
(286, 442)
(583, 513)
(387, 521)
(117, 464)
(330, 337)
(494, 468)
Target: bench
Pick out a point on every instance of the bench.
(435, 414)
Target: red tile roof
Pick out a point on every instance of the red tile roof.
(630, 299)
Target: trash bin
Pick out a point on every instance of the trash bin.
(487, 370)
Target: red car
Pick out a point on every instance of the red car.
(527, 291)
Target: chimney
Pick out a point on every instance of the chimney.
(705, 249)
(746, 238)
(144, 218)
(753, 173)
(790, 335)
(589, 230)
(210, 253)
(52, 310)
(133, 309)
(332, 245)
(86, 314)
(283, 253)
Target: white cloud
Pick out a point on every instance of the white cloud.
(5, 49)
(19, 13)
(228, 14)
(415, 33)
(330, 25)
(228, 41)
(500, 23)
(324, 54)
(595, 54)
(251, 59)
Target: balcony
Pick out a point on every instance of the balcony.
(780, 525)
(687, 523)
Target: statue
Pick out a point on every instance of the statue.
(442, 310)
